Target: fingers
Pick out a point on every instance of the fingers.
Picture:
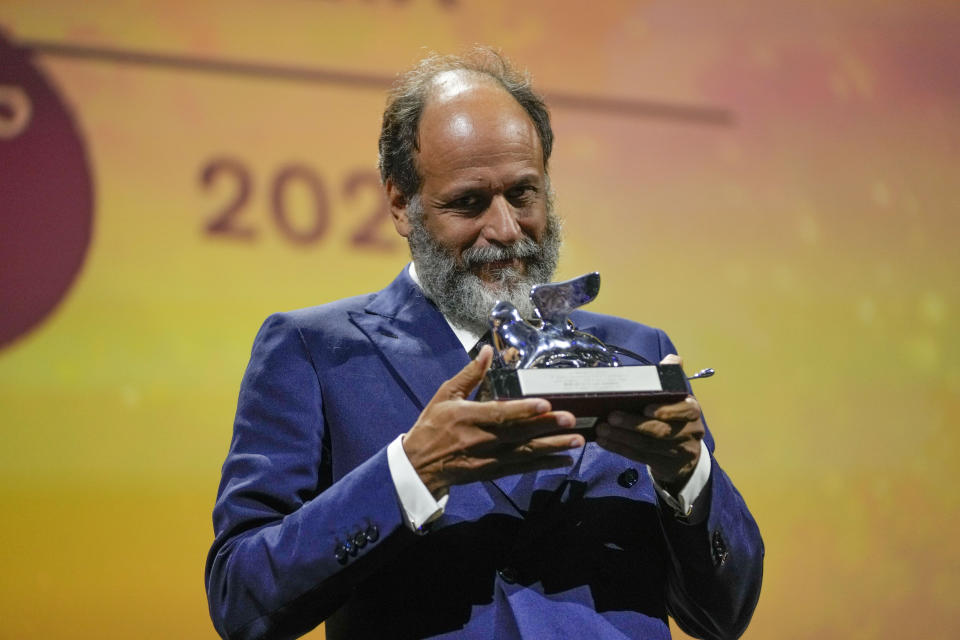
(641, 439)
(672, 358)
(545, 446)
(665, 456)
(540, 447)
(661, 455)
(463, 384)
(522, 430)
(527, 455)
(651, 428)
(501, 412)
(660, 428)
(687, 409)
(532, 455)
(496, 423)
(497, 412)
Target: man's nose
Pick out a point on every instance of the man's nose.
(501, 225)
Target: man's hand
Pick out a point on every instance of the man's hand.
(457, 441)
(667, 437)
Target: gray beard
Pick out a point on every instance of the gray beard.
(462, 296)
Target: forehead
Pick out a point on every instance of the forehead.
(471, 122)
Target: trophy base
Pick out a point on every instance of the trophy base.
(590, 394)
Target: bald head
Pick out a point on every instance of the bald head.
(446, 80)
(468, 119)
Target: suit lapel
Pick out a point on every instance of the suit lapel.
(413, 337)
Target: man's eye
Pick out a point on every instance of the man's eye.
(522, 195)
(466, 203)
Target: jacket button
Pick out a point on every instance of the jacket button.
(359, 540)
(350, 547)
(628, 478)
(341, 554)
(508, 574)
(372, 533)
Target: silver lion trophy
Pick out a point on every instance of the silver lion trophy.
(549, 358)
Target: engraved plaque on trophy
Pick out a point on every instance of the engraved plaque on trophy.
(549, 358)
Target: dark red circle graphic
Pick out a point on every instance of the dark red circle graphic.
(46, 196)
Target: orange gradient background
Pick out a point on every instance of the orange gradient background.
(804, 246)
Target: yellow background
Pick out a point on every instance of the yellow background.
(806, 250)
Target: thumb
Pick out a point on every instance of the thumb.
(672, 359)
(462, 384)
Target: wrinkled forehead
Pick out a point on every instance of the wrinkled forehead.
(466, 105)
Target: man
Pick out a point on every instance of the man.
(364, 487)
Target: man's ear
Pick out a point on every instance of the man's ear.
(398, 208)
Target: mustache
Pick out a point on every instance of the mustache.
(519, 250)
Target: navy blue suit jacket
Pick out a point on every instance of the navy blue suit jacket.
(562, 553)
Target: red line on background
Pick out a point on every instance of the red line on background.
(707, 115)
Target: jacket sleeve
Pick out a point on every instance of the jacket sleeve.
(716, 566)
(290, 545)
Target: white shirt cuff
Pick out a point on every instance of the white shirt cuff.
(416, 502)
(684, 503)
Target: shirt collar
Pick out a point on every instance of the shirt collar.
(467, 338)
